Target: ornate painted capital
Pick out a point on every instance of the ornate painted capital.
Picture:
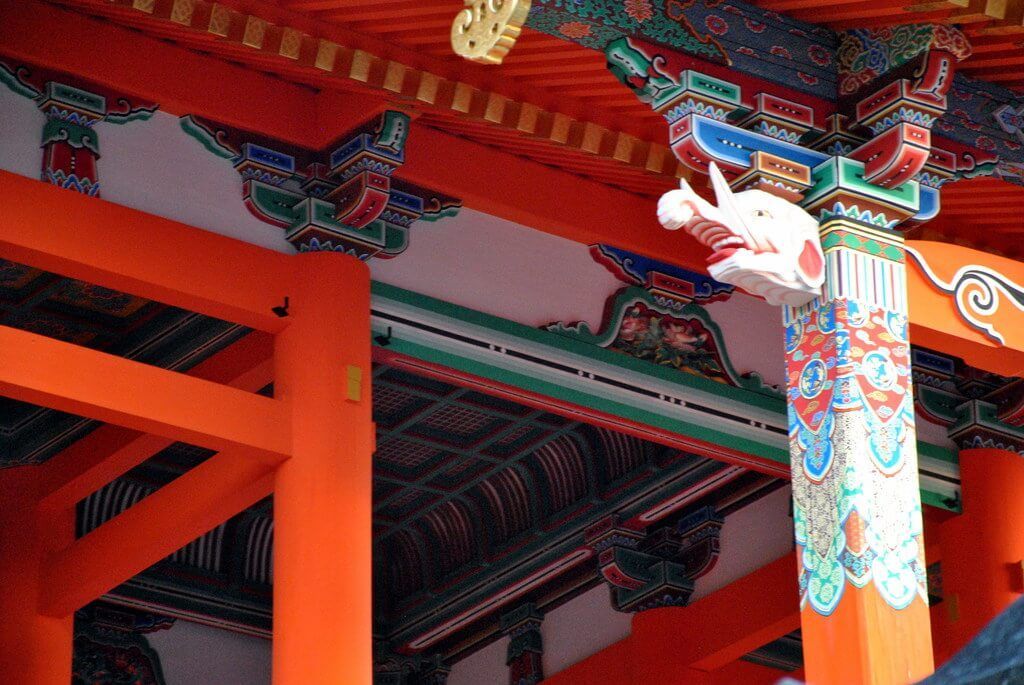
(486, 30)
(893, 82)
(345, 199)
(69, 141)
(978, 425)
(525, 646)
(110, 645)
(647, 570)
(390, 668)
(868, 156)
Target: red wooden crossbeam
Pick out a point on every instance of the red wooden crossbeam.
(84, 382)
(109, 451)
(130, 251)
(153, 529)
(731, 622)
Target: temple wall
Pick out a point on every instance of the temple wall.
(195, 654)
(154, 166)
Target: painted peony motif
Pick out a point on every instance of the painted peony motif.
(681, 336)
(639, 10)
(683, 344)
(716, 24)
(755, 26)
(819, 55)
(574, 29)
(633, 327)
(781, 51)
(807, 78)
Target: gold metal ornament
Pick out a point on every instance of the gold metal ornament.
(487, 29)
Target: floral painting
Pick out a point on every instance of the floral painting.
(683, 344)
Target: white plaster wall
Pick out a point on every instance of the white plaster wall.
(581, 627)
(485, 667)
(21, 130)
(499, 267)
(753, 336)
(156, 167)
(751, 538)
(195, 654)
(933, 433)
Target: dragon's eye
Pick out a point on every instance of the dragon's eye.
(761, 213)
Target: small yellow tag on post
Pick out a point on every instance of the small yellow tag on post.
(355, 383)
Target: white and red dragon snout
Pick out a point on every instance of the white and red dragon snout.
(784, 263)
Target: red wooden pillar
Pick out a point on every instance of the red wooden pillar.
(982, 548)
(853, 453)
(34, 649)
(322, 495)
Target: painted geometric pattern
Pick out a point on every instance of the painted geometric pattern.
(857, 508)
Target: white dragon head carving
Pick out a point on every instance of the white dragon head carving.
(761, 242)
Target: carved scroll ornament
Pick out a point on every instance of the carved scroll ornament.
(486, 30)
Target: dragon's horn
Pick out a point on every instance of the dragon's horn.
(729, 209)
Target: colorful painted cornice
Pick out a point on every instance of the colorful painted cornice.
(345, 198)
(877, 166)
(782, 54)
(671, 286)
(70, 142)
(978, 425)
(658, 567)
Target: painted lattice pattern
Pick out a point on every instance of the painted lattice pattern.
(405, 453)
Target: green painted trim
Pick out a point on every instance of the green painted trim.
(199, 133)
(10, 79)
(934, 499)
(565, 344)
(937, 452)
(140, 114)
(589, 401)
(596, 402)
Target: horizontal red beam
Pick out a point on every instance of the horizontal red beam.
(84, 382)
(705, 636)
(47, 36)
(109, 451)
(152, 529)
(130, 251)
(544, 198)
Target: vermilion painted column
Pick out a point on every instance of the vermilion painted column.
(857, 506)
(34, 649)
(322, 496)
(982, 548)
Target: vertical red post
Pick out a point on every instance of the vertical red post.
(982, 548)
(323, 493)
(34, 649)
(853, 454)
